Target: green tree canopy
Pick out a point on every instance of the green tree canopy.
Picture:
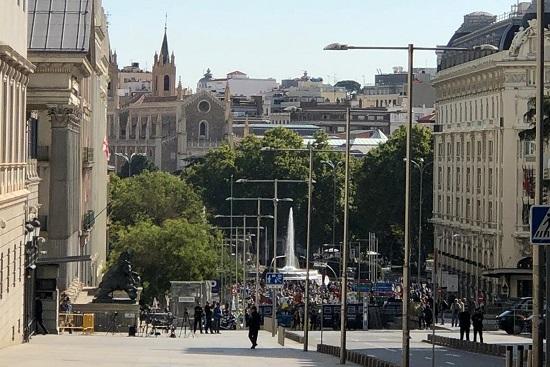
(351, 86)
(379, 200)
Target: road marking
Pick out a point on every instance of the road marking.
(451, 363)
(427, 357)
(452, 355)
(391, 350)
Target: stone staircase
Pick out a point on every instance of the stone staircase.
(74, 289)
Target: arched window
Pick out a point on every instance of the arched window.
(203, 129)
(166, 83)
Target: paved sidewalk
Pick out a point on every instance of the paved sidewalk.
(230, 348)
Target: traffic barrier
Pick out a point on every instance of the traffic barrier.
(294, 337)
(509, 356)
(519, 359)
(355, 357)
(498, 350)
(281, 335)
(76, 322)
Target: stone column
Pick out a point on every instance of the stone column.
(65, 188)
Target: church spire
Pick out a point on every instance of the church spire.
(164, 54)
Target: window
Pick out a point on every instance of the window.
(441, 150)
(14, 262)
(448, 178)
(439, 177)
(20, 261)
(468, 150)
(478, 152)
(490, 181)
(490, 150)
(468, 209)
(203, 129)
(204, 107)
(478, 210)
(448, 211)
(8, 273)
(458, 212)
(458, 180)
(166, 83)
(380, 118)
(478, 184)
(490, 212)
(439, 208)
(468, 179)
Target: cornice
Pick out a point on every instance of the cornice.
(11, 57)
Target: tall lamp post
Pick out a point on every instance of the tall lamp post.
(259, 216)
(334, 167)
(128, 159)
(410, 49)
(421, 167)
(275, 205)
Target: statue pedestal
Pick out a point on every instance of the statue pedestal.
(116, 314)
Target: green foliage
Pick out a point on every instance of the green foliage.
(159, 218)
(175, 250)
(351, 86)
(379, 201)
(140, 163)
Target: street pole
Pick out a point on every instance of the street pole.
(244, 265)
(237, 265)
(405, 299)
(266, 251)
(537, 251)
(308, 240)
(418, 265)
(274, 290)
(231, 222)
(258, 255)
(344, 285)
(434, 287)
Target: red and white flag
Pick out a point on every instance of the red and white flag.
(106, 150)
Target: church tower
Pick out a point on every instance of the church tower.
(164, 71)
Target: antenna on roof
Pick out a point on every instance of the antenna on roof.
(166, 22)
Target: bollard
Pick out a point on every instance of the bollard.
(509, 356)
(519, 360)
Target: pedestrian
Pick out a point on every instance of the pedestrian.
(464, 323)
(208, 318)
(296, 320)
(428, 316)
(477, 323)
(253, 321)
(217, 317)
(197, 318)
(420, 314)
(443, 306)
(455, 309)
(38, 309)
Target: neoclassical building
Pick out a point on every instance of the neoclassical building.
(68, 98)
(168, 125)
(483, 167)
(18, 178)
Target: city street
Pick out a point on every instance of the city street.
(227, 349)
(386, 345)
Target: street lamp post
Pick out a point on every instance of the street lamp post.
(128, 159)
(421, 167)
(410, 49)
(334, 167)
(275, 205)
(259, 216)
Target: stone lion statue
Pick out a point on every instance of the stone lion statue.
(119, 277)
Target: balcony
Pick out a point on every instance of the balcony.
(88, 220)
(87, 157)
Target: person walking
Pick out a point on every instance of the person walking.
(455, 309)
(477, 323)
(38, 309)
(197, 318)
(253, 321)
(208, 318)
(464, 323)
(217, 317)
(442, 306)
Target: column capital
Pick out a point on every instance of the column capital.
(65, 116)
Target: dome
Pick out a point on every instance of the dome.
(531, 13)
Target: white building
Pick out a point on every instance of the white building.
(483, 171)
(18, 177)
(133, 79)
(239, 83)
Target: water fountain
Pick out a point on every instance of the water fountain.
(292, 270)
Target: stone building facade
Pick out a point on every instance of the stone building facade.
(483, 169)
(68, 96)
(168, 126)
(18, 178)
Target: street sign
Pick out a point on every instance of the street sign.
(319, 264)
(540, 224)
(215, 285)
(274, 279)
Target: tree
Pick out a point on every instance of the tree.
(154, 196)
(352, 87)
(140, 163)
(379, 201)
(174, 250)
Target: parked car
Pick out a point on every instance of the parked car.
(511, 322)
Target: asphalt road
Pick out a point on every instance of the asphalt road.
(386, 345)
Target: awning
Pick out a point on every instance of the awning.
(63, 260)
(497, 273)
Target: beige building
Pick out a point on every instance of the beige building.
(483, 171)
(18, 179)
(68, 96)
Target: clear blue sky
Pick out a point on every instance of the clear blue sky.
(281, 39)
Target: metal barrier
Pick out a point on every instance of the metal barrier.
(77, 322)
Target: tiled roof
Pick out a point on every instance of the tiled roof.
(59, 25)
